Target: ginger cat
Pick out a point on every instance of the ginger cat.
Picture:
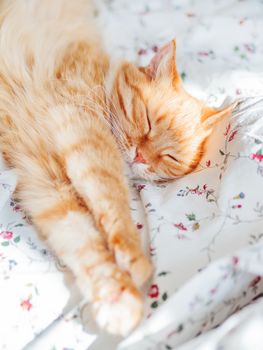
(68, 117)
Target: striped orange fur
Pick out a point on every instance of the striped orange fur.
(68, 117)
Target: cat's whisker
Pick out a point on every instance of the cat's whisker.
(171, 101)
(116, 127)
(106, 109)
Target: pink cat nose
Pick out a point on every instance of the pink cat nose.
(139, 158)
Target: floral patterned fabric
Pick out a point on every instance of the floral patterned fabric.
(240, 331)
(205, 230)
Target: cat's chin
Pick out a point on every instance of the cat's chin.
(139, 172)
(154, 179)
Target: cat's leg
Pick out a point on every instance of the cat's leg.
(67, 225)
(94, 166)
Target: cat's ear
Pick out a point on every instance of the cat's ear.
(163, 65)
(210, 116)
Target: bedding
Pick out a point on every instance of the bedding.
(205, 230)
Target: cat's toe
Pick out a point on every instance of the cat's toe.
(130, 258)
(120, 313)
(138, 266)
(141, 270)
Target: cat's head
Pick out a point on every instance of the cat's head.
(158, 125)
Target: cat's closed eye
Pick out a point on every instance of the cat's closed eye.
(148, 121)
(172, 158)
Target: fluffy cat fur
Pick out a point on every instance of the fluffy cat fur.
(67, 119)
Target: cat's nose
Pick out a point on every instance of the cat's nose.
(139, 158)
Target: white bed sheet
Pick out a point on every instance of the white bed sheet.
(205, 230)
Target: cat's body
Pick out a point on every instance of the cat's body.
(65, 121)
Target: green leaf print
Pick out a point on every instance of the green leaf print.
(154, 305)
(164, 296)
(191, 217)
(17, 239)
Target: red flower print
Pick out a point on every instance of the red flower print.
(26, 304)
(257, 157)
(6, 234)
(238, 206)
(139, 226)
(255, 281)
(154, 291)
(232, 136)
(227, 129)
(193, 190)
(208, 163)
(140, 187)
(181, 226)
(197, 190)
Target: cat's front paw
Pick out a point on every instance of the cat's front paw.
(119, 312)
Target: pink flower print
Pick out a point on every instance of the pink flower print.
(255, 281)
(181, 226)
(154, 291)
(155, 48)
(250, 47)
(232, 136)
(142, 52)
(26, 304)
(203, 53)
(152, 251)
(17, 208)
(194, 190)
(235, 260)
(257, 157)
(227, 129)
(6, 234)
